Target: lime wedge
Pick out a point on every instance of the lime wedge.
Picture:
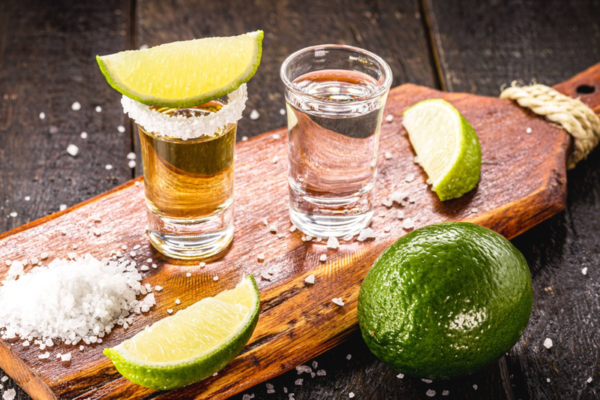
(184, 74)
(192, 344)
(447, 147)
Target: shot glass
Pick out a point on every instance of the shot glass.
(188, 177)
(335, 96)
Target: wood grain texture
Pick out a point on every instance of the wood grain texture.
(298, 321)
(481, 46)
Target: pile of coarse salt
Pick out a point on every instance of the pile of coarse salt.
(73, 301)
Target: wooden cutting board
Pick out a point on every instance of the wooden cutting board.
(523, 182)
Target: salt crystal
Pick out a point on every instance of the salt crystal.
(400, 376)
(275, 136)
(84, 135)
(303, 369)
(177, 301)
(427, 381)
(321, 372)
(27, 198)
(121, 128)
(351, 395)
(8, 263)
(474, 210)
(16, 270)
(389, 118)
(584, 271)
(548, 343)
(244, 138)
(398, 196)
(26, 343)
(188, 274)
(338, 301)
(266, 276)
(400, 214)
(124, 247)
(131, 155)
(281, 111)
(548, 380)
(333, 243)
(365, 234)
(430, 393)
(293, 228)
(298, 382)
(131, 164)
(387, 228)
(254, 115)
(4, 379)
(158, 288)
(247, 396)
(72, 255)
(42, 115)
(261, 257)
(323, 257)
(44, 356)
(475, 387)
(275, 159)
(410, 177)
(589, 380)
(44, 255)
(310, 279)
(273, 229)
(76, 106)
(170, 311)
(315, 364)
(265, 221)
(98, 109)
(408, 224)
(445, 392)
(65, 357)
(72, 150)
(349, 356)
(388, 155)
(215, 278)
(14, 214)
(154, 266)
(388, 203)
(96, 232)
(81, 348)
(9, 394)
(528, 130)
(108, 167)
(133, 254)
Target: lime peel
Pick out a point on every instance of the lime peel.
(184, 74)
(166, 375)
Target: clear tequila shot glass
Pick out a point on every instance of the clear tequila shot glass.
(335, 96)
(188, 159)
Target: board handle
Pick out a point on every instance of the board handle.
(585, 86)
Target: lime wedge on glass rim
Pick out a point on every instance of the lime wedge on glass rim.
(192, 344)
(447, 147)
(184, 74)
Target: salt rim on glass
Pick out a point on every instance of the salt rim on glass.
(182, 127)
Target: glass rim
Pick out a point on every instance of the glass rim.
(378, 93)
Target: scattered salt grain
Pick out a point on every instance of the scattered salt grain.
(270, 388)
(188, 274)
(400, 214)
(589, 380)
(400, 376)
(44, 356)
(387, 228)
(9, 394)
(254, 115)
(42, 115)
(14, 214)
(298, 382)
(108, 167)
(293, 228)
(388, 155)
(430, 393)
(445, 392)
(410, 177)
(528, 130)
(351, 395)
(408, 224)
(475, 387)
(261, 257)
(365, 234)
(265, 221)
(244, 138)
(158, 288)
(321, 372)
(4, 379)
(27, 198)
(177, 301)
(323, 257)
(548, 343)
(388, 203)
(246, 396)
(96, 232)
(266, 276)
(273, 229)
(131, 164)
(584, 271)
(348, 357)
(310, 279)
(121, 128)
(81, 348)
(76, 106)
(275, 159)
(170, 311)
(389, 118)
(133, 254)
(98, 109)
(281, 111)
(333, 243)
(427, 381)
(275, 136)
(300, 369)
(474, 210)
(338, 301)
(215, 278)
(548, 380)
(72, 150)
(26, 343)
(65, 357)
(84, 135)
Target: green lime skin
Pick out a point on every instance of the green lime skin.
(445, 300)
(167, 377)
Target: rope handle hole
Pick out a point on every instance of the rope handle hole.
(585, 89)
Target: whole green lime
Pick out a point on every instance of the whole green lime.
(445, 300)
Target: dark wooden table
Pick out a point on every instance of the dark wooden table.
(47, 51)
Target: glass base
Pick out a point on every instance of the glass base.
(186, 239)
(325, 226)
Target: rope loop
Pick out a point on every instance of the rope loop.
(575, 117)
